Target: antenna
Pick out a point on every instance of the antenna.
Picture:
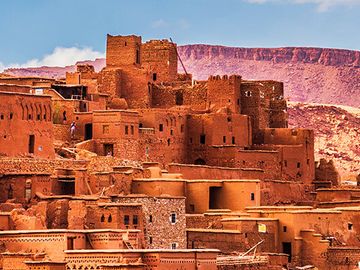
(178, 56)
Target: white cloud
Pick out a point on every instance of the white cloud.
(59, 57)
(159, 23)
(322, 5)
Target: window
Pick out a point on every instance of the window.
(190, 140)
(126, 130)
(308, 161)
(135, 220)
(350, 226)
(154, 76)
(285, 163)
(182, 128)
(140, 125)
(150, 219)
(110, 218)
(137, 56)
(126, 220)
(224, 139)
(2, 117)
(161, 127)
(192, 208)
(38, 117)
(233, 140)
(132, 130)
(173, 218)
(252, 196)
(106, 129)
(171, 132)
(31, 144)
(248, 93)
(284, 229)
(102, 219)
(168, 142)
(298, 165)
(173, 245)
(150, 240)
(202, 139)
(238, 102)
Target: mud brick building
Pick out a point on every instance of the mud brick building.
(164, 172)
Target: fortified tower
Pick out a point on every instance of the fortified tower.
(123, 51)
(224, 92)
(160, 57)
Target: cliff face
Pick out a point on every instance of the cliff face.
(312, 75)
(309, 74)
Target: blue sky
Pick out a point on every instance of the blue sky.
(57, 32)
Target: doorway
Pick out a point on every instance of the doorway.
(108, 149)
(214, 197)
(287, 249)
(88, 131)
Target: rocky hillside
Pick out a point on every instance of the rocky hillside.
(337, 132)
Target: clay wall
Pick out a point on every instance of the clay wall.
(158, 187)
(337, 194)
(162, 136)
(15, 88)
(22, 188)
(152, 259)
(25, 125)
(53, 243)
(158, 214)
(266, 160)
(342, 258)
(224, 92)
(160, 57)
(123, 51)
(109, 82)
(116, 133)
(189, 171)
(203, 221)
(202, 195)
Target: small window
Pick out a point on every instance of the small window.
(252, 196)
(173, 245)
(154, 76)
(284, 229)
(191, 141)
(2, 117)
(285, 163)
(140, 125)
(38, 117)
(171, 132)
(298, 165)
(150, 219)
(126, 220)
(135, 220)
(102, 219)
(126, 130)
(150, 240)
(202, 139)
(224, 139)
(29, 117)
(308, 161)
(105, 129)
(192, 208)
(173, 218)
(11, 116)
(132, 130)
(233, 140)
(182, 128)
(168, 142)
(110, 218)
(350, 226)
(238, 102)
(248, 93)
(161, 127)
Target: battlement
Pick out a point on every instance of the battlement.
(82, 68)
(224, 78)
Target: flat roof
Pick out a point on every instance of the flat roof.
(213, 231)
(140, 251)
(64, 231)
(25, 94)
(250, 219)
